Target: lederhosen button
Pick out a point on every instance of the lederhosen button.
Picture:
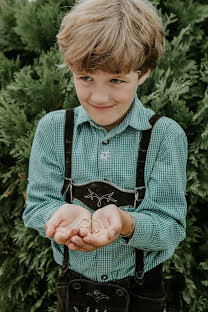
(76, 286)
(140, 274)
(119, 292)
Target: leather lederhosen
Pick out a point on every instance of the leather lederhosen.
(146, 290)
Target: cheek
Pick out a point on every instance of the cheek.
(127, 95)
(81, 91)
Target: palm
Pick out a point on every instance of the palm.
(65, 222)
(71, 223)
(110, 223)
(104, 219)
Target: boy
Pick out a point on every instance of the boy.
(107, 180)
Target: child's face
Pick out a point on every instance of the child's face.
(107, 97)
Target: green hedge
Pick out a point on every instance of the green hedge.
(32, 85)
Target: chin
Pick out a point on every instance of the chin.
(101, 122)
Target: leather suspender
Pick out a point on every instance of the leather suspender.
(140, 184)
(68, 138)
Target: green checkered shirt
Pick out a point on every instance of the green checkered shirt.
(101, 155)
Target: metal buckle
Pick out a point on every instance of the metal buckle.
(69, 186)
(137, 195)
(139, 276)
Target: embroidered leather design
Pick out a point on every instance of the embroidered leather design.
(97, 194)
(107, 197)
(97, 295)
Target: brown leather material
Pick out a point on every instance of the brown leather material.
(143, 148)
(98, 194)
(147, 297)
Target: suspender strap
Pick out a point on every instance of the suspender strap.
(143, 152)
(68, 137)
(140, 186)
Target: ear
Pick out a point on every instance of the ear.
(144, 77)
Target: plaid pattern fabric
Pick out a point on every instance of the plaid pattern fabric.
(112, 156)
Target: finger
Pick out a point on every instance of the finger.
(62, 234)
(74, 247)
(50, 229)
(83, 232)
(61, 237)
(78, 241)
(97, 240)
(72, 233)
(52, 224)
(67, 242)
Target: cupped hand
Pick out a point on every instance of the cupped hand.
(109, 218)
(65, 223)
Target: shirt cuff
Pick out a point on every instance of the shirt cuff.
(142, 233)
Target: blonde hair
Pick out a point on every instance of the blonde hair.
(111, 35)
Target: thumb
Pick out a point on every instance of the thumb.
(52, 224)
(50, 229)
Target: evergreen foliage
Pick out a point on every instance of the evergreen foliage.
(32, 84)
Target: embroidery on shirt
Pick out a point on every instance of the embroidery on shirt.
(97, 295)
(105, 155)
(107, 197)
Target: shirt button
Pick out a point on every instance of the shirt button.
(105, 142)
(104, 277)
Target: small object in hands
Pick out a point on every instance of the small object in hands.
(93, 225)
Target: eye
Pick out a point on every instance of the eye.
(86, 78)
(117, 81)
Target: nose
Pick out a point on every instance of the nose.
(100, 96)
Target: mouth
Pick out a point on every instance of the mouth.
(102, 108)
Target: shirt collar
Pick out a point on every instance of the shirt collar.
(136, 117)
(82, 116)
